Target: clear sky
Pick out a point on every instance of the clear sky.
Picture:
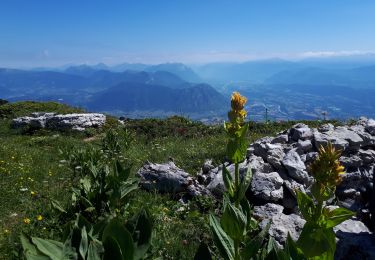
(50, 33)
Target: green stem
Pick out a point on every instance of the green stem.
(236, 249)
(236, 181)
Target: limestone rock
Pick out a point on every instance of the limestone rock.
(296, 168)
(60, 122)
(267, 186)
(283, 224)
(355, 241)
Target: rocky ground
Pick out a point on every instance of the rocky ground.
(280, 165)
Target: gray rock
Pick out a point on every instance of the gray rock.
(71, 121)
(207, 166)
(355, 141)
(305, 146)
(283, 224)
(163, 178)
(60, 122)
(257, 164)
(275, 155)
(216, 186)
(354, 161)
(367, 156)
(301, 132)
(267, 211)
(280, 139)
(310, 157)
(368, 139)
(267, 186)
(326, 128)
(295, 167)
(370, 126)
(322, 139)
(292, 186)
(355, 241)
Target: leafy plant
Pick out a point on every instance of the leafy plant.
(317, 239)
(104, 188)
(232, 232)
(108, 239)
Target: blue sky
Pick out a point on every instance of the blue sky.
(51, 33)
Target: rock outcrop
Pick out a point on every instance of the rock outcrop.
(280, 166)
(168, 178)
(54, 121)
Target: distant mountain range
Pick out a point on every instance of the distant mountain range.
(341, 86)
(118, 92)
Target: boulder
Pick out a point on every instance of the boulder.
(370, 126)
(168, 178)
(354, 241)
(304, 146)
(39, 120)
(282, 224)
(163, 177)
(322, 139)
(267, 211)
(280, 139)
(295, 167)
(275, 155)
(76, 121)
(300, 132)
(267, 186)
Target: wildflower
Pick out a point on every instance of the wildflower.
(237, 113)
(327, 169)
(33, 193)
(237, 101)
(6, 231)
(39, 217)
(26, 220)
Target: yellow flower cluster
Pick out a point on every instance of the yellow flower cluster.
(327, 169)
(237, 114)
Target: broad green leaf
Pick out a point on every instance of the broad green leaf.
(246, 209)
(305, 205)
(83, 246)
(30, 251)
(94, 251)
(293, 251)
(123, 173)
(336, 216)
(233, 222)
(112, 250)
(244, 185)
(316, 242)
(252, 246)
(126, 188)
(203, 252)
(275, 252)
(228, 181)
(83, 222)
(56, 205)
(142, 234)
(222, 241)
(50, 248)
(115, 230)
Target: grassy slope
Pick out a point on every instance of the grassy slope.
(32, 162)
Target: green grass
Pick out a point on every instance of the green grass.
(24, 108)
(32, 161)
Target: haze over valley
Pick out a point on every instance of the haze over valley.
(339, 88)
